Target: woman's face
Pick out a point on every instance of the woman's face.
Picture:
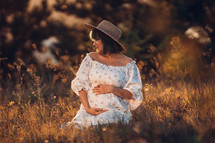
(98, 45)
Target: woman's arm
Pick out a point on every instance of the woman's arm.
(84, 101)
(123, 93)
(105, 88)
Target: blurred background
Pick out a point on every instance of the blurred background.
(42, 43)
(170, 40)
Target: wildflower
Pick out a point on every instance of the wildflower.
(146, 88)
(11, 103)
(104, 129)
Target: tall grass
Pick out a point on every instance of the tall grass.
(167, 114)
(35, 111)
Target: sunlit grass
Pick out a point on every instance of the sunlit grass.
(171, 112)
(166, 114)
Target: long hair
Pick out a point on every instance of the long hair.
(109, 45)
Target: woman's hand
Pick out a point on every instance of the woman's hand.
(105, 88)
(95, 111)
(102, 89)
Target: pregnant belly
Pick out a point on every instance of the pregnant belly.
(104, 101)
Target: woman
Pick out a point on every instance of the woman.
(108, 82)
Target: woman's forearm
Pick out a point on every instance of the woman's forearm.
(105, 88)
(123, 93)
(84, 99)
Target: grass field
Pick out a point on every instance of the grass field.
(34, 111)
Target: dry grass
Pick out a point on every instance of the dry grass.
(34, 111)
(167, 114)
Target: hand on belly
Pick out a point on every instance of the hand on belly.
(102, 89)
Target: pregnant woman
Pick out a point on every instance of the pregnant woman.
(107, 82)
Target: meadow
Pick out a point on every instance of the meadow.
(171, 41)
(34, 107)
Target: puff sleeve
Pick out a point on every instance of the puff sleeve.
(134, 85)
(81, 81)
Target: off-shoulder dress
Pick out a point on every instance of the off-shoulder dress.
(92, 73)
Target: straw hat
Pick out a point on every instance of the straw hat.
(109, 29)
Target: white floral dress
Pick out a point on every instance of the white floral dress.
(92, 73)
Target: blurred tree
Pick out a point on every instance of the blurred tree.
(21, 33)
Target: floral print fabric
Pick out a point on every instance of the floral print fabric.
(92, 73)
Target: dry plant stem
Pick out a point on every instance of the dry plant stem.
(167, 112)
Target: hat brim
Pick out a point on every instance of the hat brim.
(91, 27)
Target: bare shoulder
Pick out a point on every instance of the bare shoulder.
(126, 59)
(93, 55)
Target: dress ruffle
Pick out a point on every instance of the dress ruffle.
(134, 85)
(92, 73)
